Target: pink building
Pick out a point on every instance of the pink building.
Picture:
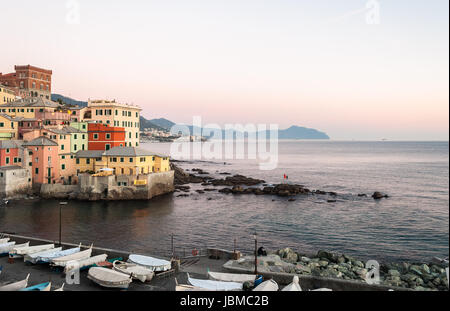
(45, 160)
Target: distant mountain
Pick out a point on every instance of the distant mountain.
(68, 101)
(294, 132)
(164, 123)
(297, 132)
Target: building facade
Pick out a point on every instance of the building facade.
(29, 81)
(6, 95)
(44, 160)
(104, 137)
(116, 115)
(14, 180)
(9, 127)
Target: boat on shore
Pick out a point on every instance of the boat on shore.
(16, 286)
(43, 287)
(4, 240)
(109, 278)
(49, 257)
(188, 288)
(61, 289)
(84, 263)
(34, 258)
(294, 286)
(63, 261)
(135, 271)
(19, 252)
(215, 285)
(8, 247)
(154, 264)
(267, 286)
(231, 277)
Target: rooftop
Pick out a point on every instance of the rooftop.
(11, 168)
(10, 144)
(89, 154)
(33, 102)
(40, 141)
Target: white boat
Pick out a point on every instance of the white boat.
(188, 288)
(109, 278)
(294, 286)
(15, 286)
(50, 257)
(6, 248)
(215, 285)
(4, 241)
(151, 263)
(34, 258)
(137, 272)
(322, 290)
(61, 289)
(80, 264)
(231, 277)
(62, 261)
(267, 286)
(18, 252)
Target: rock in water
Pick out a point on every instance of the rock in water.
(378, 195)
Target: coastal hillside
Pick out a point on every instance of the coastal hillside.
(162, 124)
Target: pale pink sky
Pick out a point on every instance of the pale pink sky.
(309, 63)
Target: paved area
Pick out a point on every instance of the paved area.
(42, 273)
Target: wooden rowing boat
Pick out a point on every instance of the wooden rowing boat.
(34, 257)
(135, 271)
(83, 263)
(49, 257)
(16, 286)
(43, 287)
(61, 289)
(18, 252)
(231, 277)
(4, 240)
(62, 261)
(294, 286)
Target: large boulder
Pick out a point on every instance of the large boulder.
(288, 255)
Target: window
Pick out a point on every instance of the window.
(15, 160)
(82, 147)
(36, 171)
(75, 136)
(78, 161)
(63, 157)
(108, 136)
(131, 160)
(95, 136)
(88, 161)
(62, 147)
(7, 150)
(63, 167)
(7, 160)
(75, 147)
(122, 160)
(107, 146)
(114, 159)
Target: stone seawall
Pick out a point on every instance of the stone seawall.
(92, 188)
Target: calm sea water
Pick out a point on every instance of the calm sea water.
(413, 224)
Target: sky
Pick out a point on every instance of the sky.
(336, 66)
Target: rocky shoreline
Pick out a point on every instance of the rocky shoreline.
(239, 185)
(416, 276)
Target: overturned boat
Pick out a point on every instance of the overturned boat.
(267, 286)
(46, 258)
(19, 252)
(154, 264)
(109, 278)
(34, 258)
(215, 285)
(135, 271)
(4, 240)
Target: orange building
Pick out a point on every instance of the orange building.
(29, 81)
(104, 137)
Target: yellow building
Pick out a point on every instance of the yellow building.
(6, 95)
(122, 160)
(9, 127)
(31, 108)
(117, 115)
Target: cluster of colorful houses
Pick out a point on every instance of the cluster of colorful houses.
(47, 142)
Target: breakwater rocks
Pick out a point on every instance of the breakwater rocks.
(240, 185)
(417, 276)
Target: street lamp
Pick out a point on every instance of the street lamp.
(255, 236)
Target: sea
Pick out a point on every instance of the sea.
(411, 225)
